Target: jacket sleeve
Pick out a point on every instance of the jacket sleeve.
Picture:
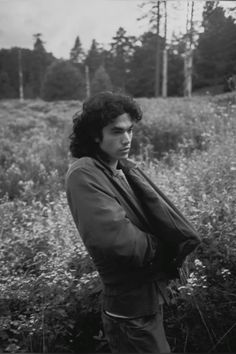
(103, 224)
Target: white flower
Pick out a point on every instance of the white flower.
(198, 263)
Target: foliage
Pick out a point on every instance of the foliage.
(39, 44)
(176, 67)
(101, 81)
(63, 81)
(174, 124)
(77, 53)
(34, 64)
(49, 289)
(130, 61)
(6, 90)
(122, 48)
(34, 154)
(215, 52)
(45, 274)
(94, 58)
(142, 67)
(204, 185)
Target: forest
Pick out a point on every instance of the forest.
(132, 65)
(50, 291)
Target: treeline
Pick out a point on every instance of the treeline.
(127, 66)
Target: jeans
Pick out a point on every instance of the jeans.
(139, 335)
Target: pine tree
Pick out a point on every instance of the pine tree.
(77, 53)
(40, 61)
(141, 74)
(94, 58)
(39, 44)
(122, 48)
(216, 50)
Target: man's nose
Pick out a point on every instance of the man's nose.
(126, 138)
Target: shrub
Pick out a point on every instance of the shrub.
(62, 81)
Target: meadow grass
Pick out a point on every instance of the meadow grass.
(49, 287)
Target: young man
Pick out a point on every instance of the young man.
(135, 236)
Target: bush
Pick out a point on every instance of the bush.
(48, 281)
(62, 81)
(201, 317)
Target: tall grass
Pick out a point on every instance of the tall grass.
(49, 289)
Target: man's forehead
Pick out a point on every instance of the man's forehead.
(122, 121)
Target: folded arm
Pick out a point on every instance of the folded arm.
(103, 224)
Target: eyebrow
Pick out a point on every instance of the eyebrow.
(122, 129)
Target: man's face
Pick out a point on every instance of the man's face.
(116, 138)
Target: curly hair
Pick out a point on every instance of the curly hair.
(97, 112)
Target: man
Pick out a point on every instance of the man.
(135, 236)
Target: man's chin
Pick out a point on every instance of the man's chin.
(124, 156)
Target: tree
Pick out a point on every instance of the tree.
(38, 44)
(6, 90)
(158, 51)
(165, 61)
(208, 10)
(21, 80)
(176, 67)
(155, 16)
(101, 81)
(40, 61)
(216, 50)
(94, 58)
(188, 57)
(122, 48)
(141, 74)
(63, 82)
(9, 66)
(77, 53)
(34, 66)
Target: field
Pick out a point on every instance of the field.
(49, 289)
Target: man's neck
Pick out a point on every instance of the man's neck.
(113, 164)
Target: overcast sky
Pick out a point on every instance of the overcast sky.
(60, 21)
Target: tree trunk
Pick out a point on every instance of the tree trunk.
(21, 89)
(188, 73)
(165, 61)
(87, 81)
(188, 59)
(158, 54)
(164, 78)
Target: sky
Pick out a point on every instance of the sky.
(60, 21)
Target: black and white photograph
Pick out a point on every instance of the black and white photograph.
(117, 176)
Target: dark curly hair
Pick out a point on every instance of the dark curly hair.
(97, 112)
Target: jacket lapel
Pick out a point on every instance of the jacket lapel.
(127, 199)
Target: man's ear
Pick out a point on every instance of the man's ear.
(97, 140)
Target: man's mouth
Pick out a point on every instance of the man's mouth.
(125, 149)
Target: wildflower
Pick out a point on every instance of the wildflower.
(198, 263)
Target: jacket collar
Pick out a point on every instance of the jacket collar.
(125, 165)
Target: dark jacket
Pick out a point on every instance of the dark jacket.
(177, 236)
(124, 238)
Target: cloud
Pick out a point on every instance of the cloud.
(60, 21)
